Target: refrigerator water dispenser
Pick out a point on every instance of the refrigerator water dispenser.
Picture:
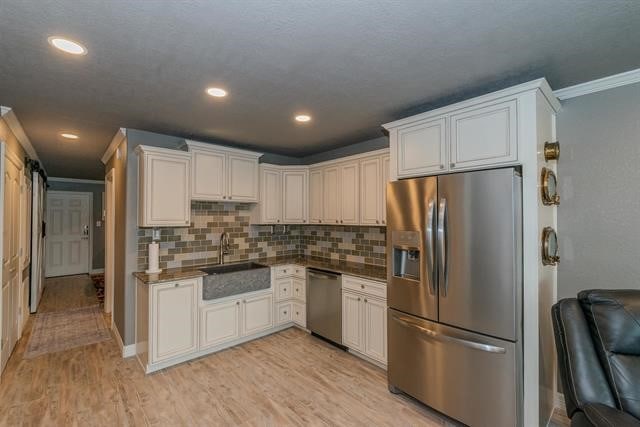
(406, 255)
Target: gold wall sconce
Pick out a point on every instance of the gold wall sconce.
(549, 188)
(551, 151)
(550, 247)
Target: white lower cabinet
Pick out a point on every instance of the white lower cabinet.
(219, 323)
(283, 313)
(299, 314)
(174, 319)
(290, 289)
(364, 319)
(257, 314)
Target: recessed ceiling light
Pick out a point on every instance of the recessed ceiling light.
(69, 135)
(303, 118)
(217, 92)
(67, 45)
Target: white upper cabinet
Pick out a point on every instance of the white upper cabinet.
(349, 193)
(370, 191)
(208, 177)
(242, 178)
(270, 195)
(223, 174)
(164, 190)
(479, 133)
(421, 148)
(295, 196)
(484, 135)
(283, 195)
(316, 196)
(386, 176)
(331, 198)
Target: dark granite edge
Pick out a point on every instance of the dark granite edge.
(365, 271)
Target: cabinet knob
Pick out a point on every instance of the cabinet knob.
(237, 302)
(377, 222)
(453, 165)
(230, 197)
(358, 298)
(278, 220)
(176, 285)
(320, 221)
(362, 286)
(365, 300)
(285, 312)
(285, 271)
(337, 221)
(224, 197)
(244, 301)
(285, 289)
(441, 166)
(304, 220)
(297, 313)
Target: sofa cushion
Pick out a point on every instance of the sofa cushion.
(614, 320)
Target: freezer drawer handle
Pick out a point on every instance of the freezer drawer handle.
(431, 268)
(446, 338)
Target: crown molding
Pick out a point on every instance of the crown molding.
(120, 136)
(617, 80)
(12, 121)
(76, 181)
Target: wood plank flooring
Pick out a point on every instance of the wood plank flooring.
(289, 378)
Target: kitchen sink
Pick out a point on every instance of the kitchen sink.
(234, 279)
(232, 268)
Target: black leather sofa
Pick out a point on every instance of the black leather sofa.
(598, 342)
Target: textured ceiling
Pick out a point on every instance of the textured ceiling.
(352, 64)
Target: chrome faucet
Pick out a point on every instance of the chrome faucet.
(224, 247)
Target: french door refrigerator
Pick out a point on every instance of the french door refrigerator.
(454, 260)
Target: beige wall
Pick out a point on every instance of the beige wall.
(119, 165)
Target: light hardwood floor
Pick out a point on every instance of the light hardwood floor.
(289, 378)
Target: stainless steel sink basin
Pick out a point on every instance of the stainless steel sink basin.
(234, 279)
(232, 268)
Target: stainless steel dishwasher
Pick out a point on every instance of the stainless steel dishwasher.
(324, 304)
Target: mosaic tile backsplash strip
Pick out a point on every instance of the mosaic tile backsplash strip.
(198, 244)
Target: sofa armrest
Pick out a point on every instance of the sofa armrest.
(605, 416)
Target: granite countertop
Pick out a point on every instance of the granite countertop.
(169, 275)
(366, 271)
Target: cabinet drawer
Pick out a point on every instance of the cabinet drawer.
(369, 287)
(299, 289)
(284, 289)
(290, 270)
(299, 314)
(283, 313)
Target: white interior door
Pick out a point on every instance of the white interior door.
(11, 270)
(68, 225)
(110, 217)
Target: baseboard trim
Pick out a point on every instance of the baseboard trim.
(126, 350)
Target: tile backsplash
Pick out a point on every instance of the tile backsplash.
(198, 244)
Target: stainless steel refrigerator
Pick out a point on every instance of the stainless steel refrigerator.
(454, 258)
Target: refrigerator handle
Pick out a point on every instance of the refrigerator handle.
(431, 268)
(442, 246)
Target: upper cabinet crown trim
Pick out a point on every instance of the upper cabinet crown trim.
(218, 148)
(540, 84)
(373, 153)
(159, 150)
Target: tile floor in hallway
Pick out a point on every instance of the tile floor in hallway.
(289, 378)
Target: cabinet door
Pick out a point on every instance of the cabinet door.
(316, 196)
(257, 314)
(294, 190)
(349, 193)
(165, 185)
(174, 319)
(219, 323)
(352, 334)
(331, 199)
(283, 313)
(208, 175)
(420, 149)
(270, 196)
(299, 289)
(375, 329)
(370, 192)
(299, 314)
(386, 176)
(243, 178)
(283, 288)
(484, 136)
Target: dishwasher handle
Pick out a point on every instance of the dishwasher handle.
(319, 274)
